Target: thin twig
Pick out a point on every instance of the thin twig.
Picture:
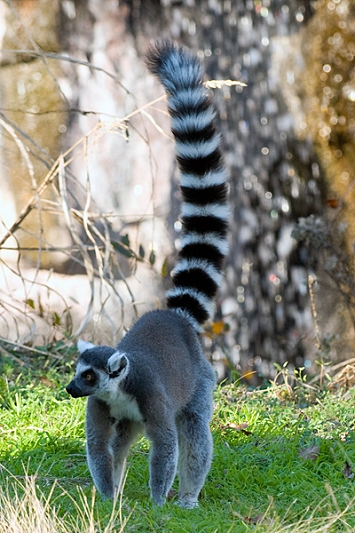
(11, 356)
(311, 281)
(86, 258)
(63, 57)
(30, 204)
(28, 349)
(31, 140)
(100, 241)
(54, 170)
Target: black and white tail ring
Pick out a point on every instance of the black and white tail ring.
(203, 177)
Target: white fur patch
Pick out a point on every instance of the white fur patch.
(82, 367)
(114, 361)
(195, 120)
(203, 264)
(197, 149)
(205, 302)
(216, 177)
(121, 405)
(214, 210)
(84, 345)
(189, 317)
(207, 238)
(187, 97)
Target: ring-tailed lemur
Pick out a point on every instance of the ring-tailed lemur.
(157, 380)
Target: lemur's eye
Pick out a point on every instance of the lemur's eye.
(88, 376)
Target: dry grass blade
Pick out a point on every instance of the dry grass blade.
(27, 511)
(24, 509)
(218, 84)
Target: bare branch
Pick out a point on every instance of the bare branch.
(64, 57)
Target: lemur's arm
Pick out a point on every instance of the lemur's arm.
(99, 429)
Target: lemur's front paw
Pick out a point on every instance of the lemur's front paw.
(159, 502)
(187, 503)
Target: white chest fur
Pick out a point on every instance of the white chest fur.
(121, 405)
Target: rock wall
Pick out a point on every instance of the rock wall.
(34, 122)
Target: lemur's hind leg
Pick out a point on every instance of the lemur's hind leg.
(195, 447)
(126, 432)
(163, 458)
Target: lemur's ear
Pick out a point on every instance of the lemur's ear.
(84, 345)
(116, 364)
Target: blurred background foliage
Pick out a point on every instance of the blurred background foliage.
(328, 85)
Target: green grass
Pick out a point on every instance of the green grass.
(258, 481)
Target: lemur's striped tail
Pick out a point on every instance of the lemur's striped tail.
(204, 211)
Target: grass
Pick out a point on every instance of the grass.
(282, 463)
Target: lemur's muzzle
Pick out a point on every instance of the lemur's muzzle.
(74, 390)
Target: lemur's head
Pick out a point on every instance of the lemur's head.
(97, 368)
